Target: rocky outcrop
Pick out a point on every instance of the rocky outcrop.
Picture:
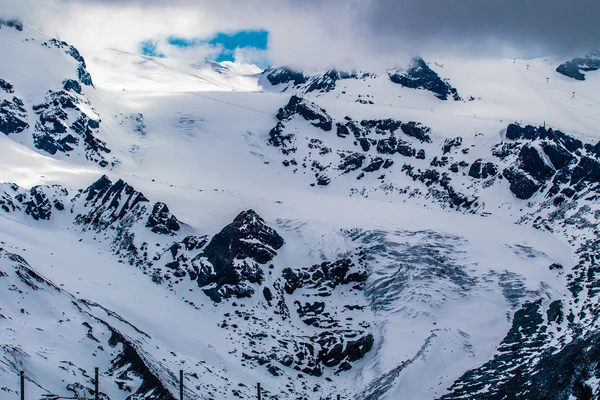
(161, 221)
(13, 116)
(285, 75)
(482, 170)
(63, 127)
(317, 116)
(39, 202)
(120, 357)
(577, 67)
(324, 277)
(232, 259)
(105, 203)
(325, 82)
(420, 76)
(328, 80)
(82, 74)
(546, 158)
(522, 186)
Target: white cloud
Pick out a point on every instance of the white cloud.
(303, 33)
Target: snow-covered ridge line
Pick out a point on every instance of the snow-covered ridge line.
(303, 245)
(78, 331)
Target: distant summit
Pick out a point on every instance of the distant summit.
(419, 76)
(576, 67)
(416, 75)
(12, 23)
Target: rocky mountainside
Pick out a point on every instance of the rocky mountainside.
(339, 232)
(577, 67)
(417, 75)
(58, 118)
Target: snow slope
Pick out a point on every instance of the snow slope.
(382, 287)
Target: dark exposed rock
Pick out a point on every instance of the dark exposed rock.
(420, 76)
(234, 255)
(321, 83)
(36, 203)
(559, 374)
(310, 308)
(268, 295)
(351, 162)
(277, 138)
(333, 352)
(375, 164)
(504, 149)
(108, 203)
(161, 220)
(328, 81)
(323, 180)
(417, 130)
(388, 145)
(82, 74)
(526, 335)
(576, 67)
(532, 162)
(281, 75)
(405, 149)
(13, 116)
(381, 126)
(341, 130)
(555, 311)
(70, 84)
(595, 149)
(327, 274)
(439, 162)
(559, 156)
(309, 111)
(130, 361)
(528, 132)
(587, 170)
(325, 82)
(365, 144)
(449, 144)
(522, 186)
(6, 86)
(52, 132)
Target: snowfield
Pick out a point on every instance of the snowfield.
(384, 258)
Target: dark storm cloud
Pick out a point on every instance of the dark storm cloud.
(553, 26)
(319, 33)
(557, 26)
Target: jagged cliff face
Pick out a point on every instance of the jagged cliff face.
(320, 238)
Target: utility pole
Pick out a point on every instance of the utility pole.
(22, 385)
(339, 397)
(180, 384)
(96, 383)
(258, 391)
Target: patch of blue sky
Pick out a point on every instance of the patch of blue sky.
(149, 48)
(227, 42)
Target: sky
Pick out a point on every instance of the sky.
(246, 46)
(319, 34)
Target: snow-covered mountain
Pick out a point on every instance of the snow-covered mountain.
(429, 231)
